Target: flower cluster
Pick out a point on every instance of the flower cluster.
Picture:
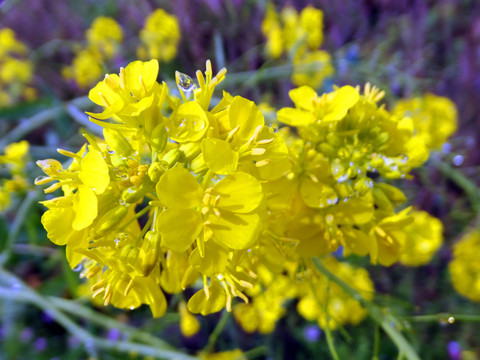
(13, 172)
(299, 35)
(434, 118)
(102, 43)
(182, 193)
(16, 71)
(160, 36)
(465, 268)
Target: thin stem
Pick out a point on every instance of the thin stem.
(43, 117)
(328, 333)
(256, 352)
(216, 332)
(444, 317)
(373, 311)
(23, 293)
(469, 187)
(376, 342)
(20, 217)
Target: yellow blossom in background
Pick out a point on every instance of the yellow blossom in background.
(160, 36)
(465, 267)
(321, 300)
(225, 355)
(189, 324)
(434, 117)
(103, 39)
(300, 35)
(312, 68)
(16, 70)
(104, 36)
(85, 69)
(13, 165)
(425, 238)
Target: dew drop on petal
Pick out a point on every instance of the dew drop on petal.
(185, 82)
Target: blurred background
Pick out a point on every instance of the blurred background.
(405, 47)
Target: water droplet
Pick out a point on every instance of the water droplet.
(458, 160)
(132, 307)
(122, 202)
(273, 127)
(350, 163)
(41, 178)
(451, 320)
(78, 268)
(111, 152)
(185, 84)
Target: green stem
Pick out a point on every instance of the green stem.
(24, 293)
(39, 120)
(216, 332)
(256, 352)
(328, 332)
(373, 311)
(20, 218)
(376, 342)
(469, 187)
(444, 317)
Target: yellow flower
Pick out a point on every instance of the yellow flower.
(326, 300)
(465, 267)
(189, 324)
(435, 118)
(311, 68)
(227, 212)
(85, 69)
(225, 355)
(160, 36)
(425, 238)
(104, 36)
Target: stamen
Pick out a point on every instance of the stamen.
(255, 135)
(258, 151)
(98, 292)
(142, 84)
(205, 287)
(262, 162)
(122, 78)
(232, 133)
(129, 287)
(265, 141)
(104, 99)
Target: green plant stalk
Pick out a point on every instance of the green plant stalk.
(443, 317)
(373, 311)
(24, 293)
(20, 217)
(216, 332)
(39, 120)
(328, 332)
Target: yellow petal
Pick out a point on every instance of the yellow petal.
(219, 156)
(94, 171)
(295, 117)
(239, 192)
(141, 76)
(178, 189)
(179, 228)
(316, 194)
(237, 231)
(188, 123)
(302, 97)
(85, 208)
(214, 261)
(246, 115)
(199, 304)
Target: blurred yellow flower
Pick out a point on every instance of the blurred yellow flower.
(425, 238)
(435, 118)
(465, 267)
(104, 36)
(160, 36)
